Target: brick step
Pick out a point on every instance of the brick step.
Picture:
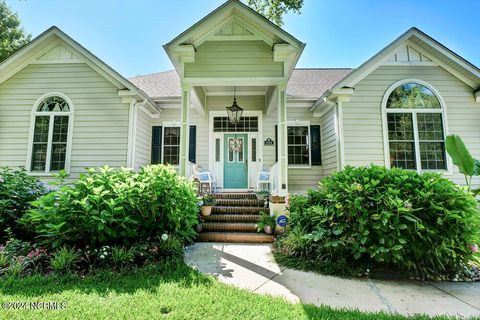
(237, 237)
(235, 195)
(229, 226)
(240, 203)
(238, 210)
(232, 217)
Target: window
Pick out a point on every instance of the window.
(246, 124)
(416, 137)
(254, 149)
(166, 145)
(51, 133)
(298, 145)
(171, 145)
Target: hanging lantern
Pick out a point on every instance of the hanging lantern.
(234, 112)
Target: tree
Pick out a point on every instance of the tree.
(12, 35)
(274, 10)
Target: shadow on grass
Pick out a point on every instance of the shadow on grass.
(104, 282)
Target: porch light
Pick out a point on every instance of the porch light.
(234, 112)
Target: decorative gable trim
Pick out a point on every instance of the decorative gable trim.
(409, 54)
(396, 46)
(54, 46)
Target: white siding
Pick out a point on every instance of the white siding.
(101, 120)
(143, 139)
(329, 142)
(363, 122)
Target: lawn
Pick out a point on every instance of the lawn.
(167, 291)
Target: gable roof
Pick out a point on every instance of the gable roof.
(26, 54)
(468, 72)
(303, 84)
(232, 4)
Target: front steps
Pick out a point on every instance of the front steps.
(233, 219)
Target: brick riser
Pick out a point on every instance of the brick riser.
(229, 226)
(235, 237)
(237, 210)
(233, 219)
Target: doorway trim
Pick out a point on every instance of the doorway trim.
(217, 167)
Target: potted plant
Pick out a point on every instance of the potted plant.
(208, 201)
(262, 194)
(266, 223)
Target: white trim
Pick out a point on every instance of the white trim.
(414, 112)
(220, 135)
(171, 124)
(68, 151)
(383, 55)
(341, 140)
(300, 123)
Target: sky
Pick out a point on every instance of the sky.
(129, 34)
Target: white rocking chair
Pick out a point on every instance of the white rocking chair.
(205, 177)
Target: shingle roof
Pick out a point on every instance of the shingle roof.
(305, 83)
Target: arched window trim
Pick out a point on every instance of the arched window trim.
(386, 110)
(36, 113)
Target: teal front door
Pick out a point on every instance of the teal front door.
(235, 165)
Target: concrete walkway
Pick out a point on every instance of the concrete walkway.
(253, 267)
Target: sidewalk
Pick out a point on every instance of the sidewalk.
(253, 267)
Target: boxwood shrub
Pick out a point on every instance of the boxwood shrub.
(116, 207)
(369, 217)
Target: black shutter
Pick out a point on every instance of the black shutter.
(315, 145)
(276, 143)
(156, 144)
(192, 145)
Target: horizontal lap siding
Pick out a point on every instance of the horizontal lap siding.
(101, 120)
(329, 142)
(363, 122)
(234, 59)
(301, 179)
(143, 140)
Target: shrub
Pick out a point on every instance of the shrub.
(64, 260)
(376, 216)
(116, 207)
(122, 256)
(17, 190)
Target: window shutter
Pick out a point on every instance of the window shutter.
(276, 143)
(156, 144)
(315, 145)
(192, 145)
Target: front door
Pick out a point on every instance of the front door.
(235, 168)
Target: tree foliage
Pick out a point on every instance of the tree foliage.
(274, 10)
(12, 35)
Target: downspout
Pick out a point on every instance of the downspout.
(132, 132)
(130, 141)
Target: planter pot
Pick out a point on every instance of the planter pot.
(268, 229)
(206, 210)
(277, 199)
(198, 228)
(279, 230)
(261, 197)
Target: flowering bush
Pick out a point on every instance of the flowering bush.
(17, 190)
(116, 207)
(373, 216)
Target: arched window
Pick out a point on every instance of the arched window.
(414, 121)
(52, 120)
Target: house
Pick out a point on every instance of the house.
(63, 108)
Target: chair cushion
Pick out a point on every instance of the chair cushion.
(264, 176)
(204, 177)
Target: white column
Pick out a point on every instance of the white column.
(282, 141)
(184, 131)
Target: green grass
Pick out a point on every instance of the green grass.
(166, 291)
